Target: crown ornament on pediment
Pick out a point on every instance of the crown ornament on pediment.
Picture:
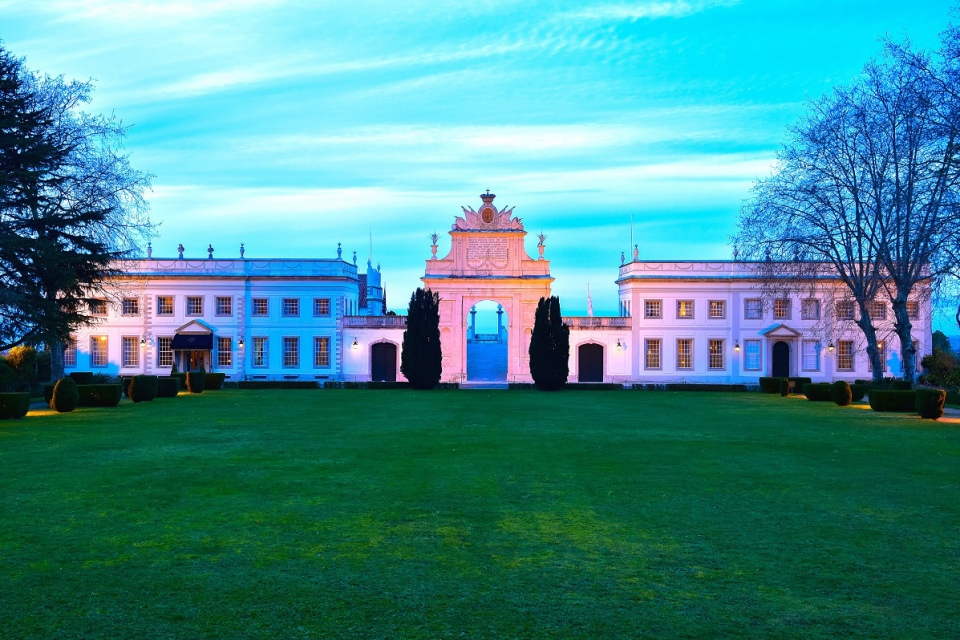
(488, 217)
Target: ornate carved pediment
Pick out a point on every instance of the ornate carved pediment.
(488, 217)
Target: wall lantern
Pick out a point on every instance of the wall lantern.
(619, 345)
(240, 343)
(830, 348)
(736, 346)
(143, 343)
(355, 345)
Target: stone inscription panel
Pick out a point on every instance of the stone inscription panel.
(487, 252)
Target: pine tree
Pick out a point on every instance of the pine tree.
(549, 346)
(421, 357)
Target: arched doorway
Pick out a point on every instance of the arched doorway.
(781, 359)
(487, 342)
(590, 363)
(383, 362)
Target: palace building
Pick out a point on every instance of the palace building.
(321, 319)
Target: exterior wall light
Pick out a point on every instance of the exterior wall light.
(736, 346)
(143, 343)
(619, 345)
(830, 348)
(240, 343)
(355, 345)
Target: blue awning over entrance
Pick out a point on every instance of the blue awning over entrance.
(192, 342)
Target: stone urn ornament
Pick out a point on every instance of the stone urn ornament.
(241, 250)
(540, 245)
(180, 252)
(433, 247)
(209, 252)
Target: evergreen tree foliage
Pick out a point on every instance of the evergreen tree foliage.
(421, 357)
(549, 346)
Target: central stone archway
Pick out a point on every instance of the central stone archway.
(487, 261)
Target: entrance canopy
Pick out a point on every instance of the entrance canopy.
(192, 342)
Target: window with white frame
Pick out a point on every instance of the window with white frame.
(845, 310)
(781, 309)
(97, 307)
(131, 351)
(882, 348)
(845, 355)
(291, 352)
(751, 355)
(913, 310)
(98, 351)
(878, 310)
(652, 353)
(224, 306)
(321, 307)
(224, 352)
(718, 309)
(165, 351)
(70, 352)
(164, 305)
(753, 309)
(259, 352)
(685, 309)
(261, 307)
(131, 306)
(194, 305)
(321, 351)
(653, 309)
(810, 355)
(291, 307)
(810, 309)
(685, 353)
(716, 354)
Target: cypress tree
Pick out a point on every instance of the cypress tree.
(420, 358)
(549, 346)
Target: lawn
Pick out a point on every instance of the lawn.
(393, 514)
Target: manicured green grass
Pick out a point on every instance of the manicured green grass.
(390, 514)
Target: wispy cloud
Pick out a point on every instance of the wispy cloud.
(650, 10)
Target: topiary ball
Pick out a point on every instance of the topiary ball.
(196, 381)
(929, 403)
(841, 393)
(66, 396)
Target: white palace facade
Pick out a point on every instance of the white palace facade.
(324, 320)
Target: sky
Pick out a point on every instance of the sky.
(291, 126)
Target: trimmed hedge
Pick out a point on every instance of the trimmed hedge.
(593, 386)
(929, 403)
(100, 395)
(705, 386)
(859, 391)
(143, 388)
(784, 387)
(893, 400)
(280, 384)
(819, 392)
(14, 406)
(48, 392)
(182, 377)
(770, 385)
(841, 393)
(900, 385)
(82, 377)
(214, 381)
(65, 398)
(196, 381)
(168, 387)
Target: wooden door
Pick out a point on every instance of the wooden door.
(590, 363)
(383, 362)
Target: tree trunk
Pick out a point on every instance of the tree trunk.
(908, 355)
(870, 333)
(56, 360)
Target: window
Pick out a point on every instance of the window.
(684, 308)
(321, 352)
(259, 352)
(752, 309)
(260, 307)
(718, 309)
(164, 305)
(685, 354)
(164, 352)
(194, 305)
(810, 309)
(781, 309)
(716, 354)
(131, 352)
(845, 355)
(291, 352)
(652, 358)
(225, 352)
(321, 307)
(70, 353)
(652, 308)
(845, 310)
(751, 355)
(811, 355)
(131, 307)
(882, 348)
(291, 307)
(878, 310)
(913, 310)
(97, 307)
(224, 306)
(98, 351)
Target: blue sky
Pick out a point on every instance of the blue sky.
(290, 126)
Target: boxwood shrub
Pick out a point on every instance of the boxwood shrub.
(770, 385)
(196, 381)
(285, 384)
(859, 391)
(48, 393)
(799, 382)
(817, 392)
(841, 393)
(100, 395)
(893, 400)
(784, 387)
(82, 377)
(168, 387)
(929, 403)
(214, 381)
(900, 385)
(182, 377)
(143, 388)
(704, 386)
(14, 406)
(66, 398)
